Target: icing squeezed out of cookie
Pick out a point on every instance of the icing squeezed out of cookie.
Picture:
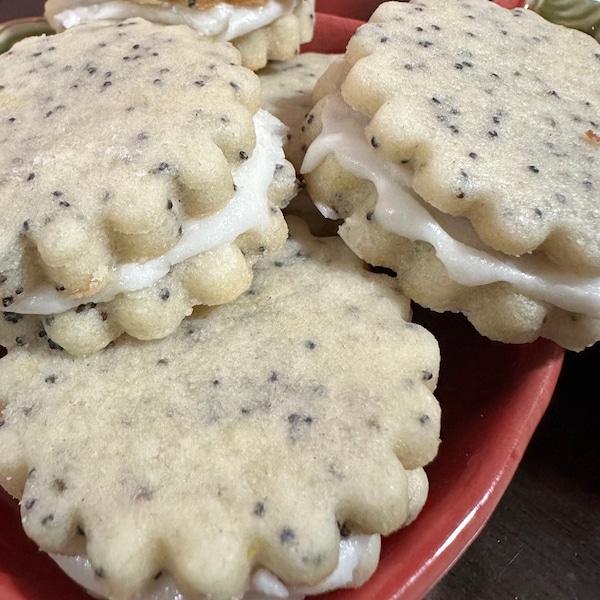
(223, 21)
(248, 209)
(399, 209)
(263, 585)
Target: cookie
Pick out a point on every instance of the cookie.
(286, 92)
(456, 140)
(262, 30)
(143, 179)
(254, 438)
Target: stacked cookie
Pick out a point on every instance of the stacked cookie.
(200, 402)
(140, 194)
(193, 401)
(240, 451)
(458, 143)
(262, 30)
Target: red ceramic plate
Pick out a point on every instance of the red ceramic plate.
(492, 396)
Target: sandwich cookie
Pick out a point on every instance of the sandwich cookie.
(140, 179)
(243, 452)
(458, 141)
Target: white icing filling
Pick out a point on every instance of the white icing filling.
(223, 21)
(468, 260)
(355, 552)
(248, 209)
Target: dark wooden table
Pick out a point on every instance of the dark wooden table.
(543, 541)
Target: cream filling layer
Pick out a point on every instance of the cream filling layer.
(248, 209)
(222, 22)
(359, 555)
(399, 209)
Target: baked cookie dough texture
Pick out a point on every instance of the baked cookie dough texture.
(458, 142)
(286, 92)
(262, 30)
(144, 180)
(254, 437)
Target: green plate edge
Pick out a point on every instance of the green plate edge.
(13, 31)
(577, 14)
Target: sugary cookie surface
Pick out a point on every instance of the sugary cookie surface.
(246, 439)
(491, 109)
(119, 138)
(472, 167)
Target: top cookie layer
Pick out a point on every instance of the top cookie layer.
(243, 440)
(495, 110)
(113, 136)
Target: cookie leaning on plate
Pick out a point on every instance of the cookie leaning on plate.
(139, 179)
(286, 92)
(261, 29)
(252, 438)
(459, 146)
